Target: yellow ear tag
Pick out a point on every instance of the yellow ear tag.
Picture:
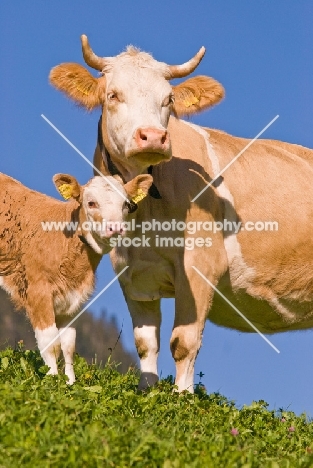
(83, 91)
(66, 190)
(140, 196)
(192, 101)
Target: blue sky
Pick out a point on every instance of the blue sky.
(260, 51)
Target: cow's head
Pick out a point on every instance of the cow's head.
(104, 203)
(137, 100)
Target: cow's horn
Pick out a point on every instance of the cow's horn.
(179, 71)
(90, 57)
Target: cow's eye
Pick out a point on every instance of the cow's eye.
(168, 101)
(92, 204)
(112, 96)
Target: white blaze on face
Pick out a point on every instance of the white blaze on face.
(103, 205)
(137, 96)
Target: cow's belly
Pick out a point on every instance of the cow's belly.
(268, 316)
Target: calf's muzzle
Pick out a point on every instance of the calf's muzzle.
(114, 228)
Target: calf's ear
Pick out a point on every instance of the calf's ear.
(78, 84)
(138, 188)
(197, 94)
(67, 186)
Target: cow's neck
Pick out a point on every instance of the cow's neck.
(111, 167)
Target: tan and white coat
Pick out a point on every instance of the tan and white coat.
(50, 273)
(267, 275)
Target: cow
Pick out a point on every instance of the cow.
(267, 275)
(49, 251)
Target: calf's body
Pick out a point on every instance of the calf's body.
(50, 273)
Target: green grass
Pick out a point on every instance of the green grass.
(101, 421)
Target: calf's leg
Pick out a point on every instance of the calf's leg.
(67, 339)
(46, 333)
(48, 342)
(40, 311)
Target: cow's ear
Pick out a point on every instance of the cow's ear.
(78, 84)
(138, 188)
(67, 186)
(196, 94)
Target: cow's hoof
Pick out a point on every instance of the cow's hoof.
(147, 379)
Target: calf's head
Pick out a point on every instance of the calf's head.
(137, 100)
(104, 203)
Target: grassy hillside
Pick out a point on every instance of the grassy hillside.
(101, 421)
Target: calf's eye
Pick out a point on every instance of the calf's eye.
(92, 204)
(130, 206)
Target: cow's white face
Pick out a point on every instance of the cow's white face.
(104, 205)
(138, 103)
(136, 99)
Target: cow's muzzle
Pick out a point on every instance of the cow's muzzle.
(152, 138)
(150, 143)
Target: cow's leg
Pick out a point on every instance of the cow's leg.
(146, 317)
(193, 297)
(67, 338)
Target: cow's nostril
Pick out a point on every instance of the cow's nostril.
(154, 138)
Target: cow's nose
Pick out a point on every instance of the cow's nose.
(114, 228)
(152, 138)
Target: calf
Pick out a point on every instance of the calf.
(49, 251)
